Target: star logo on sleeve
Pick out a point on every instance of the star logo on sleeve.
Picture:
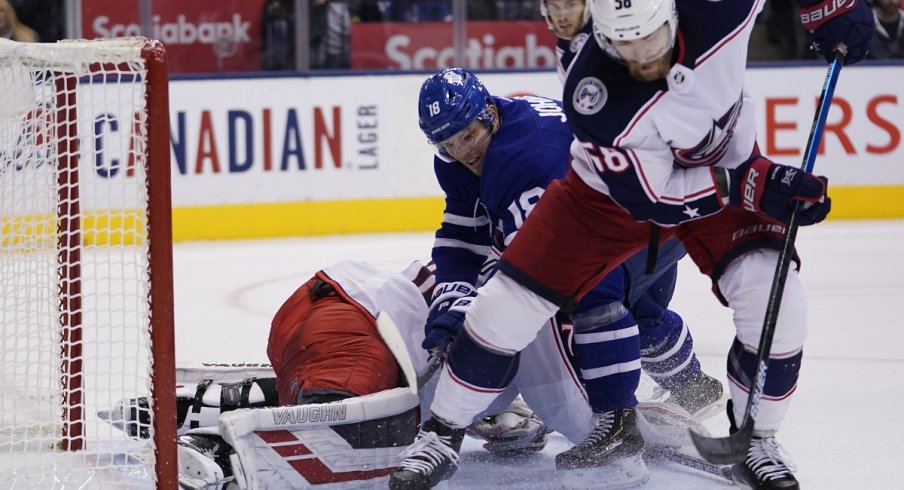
(691, 212)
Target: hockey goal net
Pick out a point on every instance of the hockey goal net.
(85, 264)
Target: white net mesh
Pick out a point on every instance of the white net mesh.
(74, 269)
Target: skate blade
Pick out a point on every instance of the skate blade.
(627, 472)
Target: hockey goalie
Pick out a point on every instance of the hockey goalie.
(339, 401)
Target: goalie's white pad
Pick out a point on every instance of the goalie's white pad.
(198, 404)
(667, 424)
(224, 372)
(513, 431)
(350, 443)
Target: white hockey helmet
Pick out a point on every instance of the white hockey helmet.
(629, 20)
(544, 11)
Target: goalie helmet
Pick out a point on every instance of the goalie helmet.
(448, 102)
(544, 11)
(618, 20)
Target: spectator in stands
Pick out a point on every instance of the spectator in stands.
(888, 42)
(278, 50)
(46, 17)
(11, 28)
(330, 26)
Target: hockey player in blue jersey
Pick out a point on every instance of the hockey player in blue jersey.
(495, 156)
(665, 135)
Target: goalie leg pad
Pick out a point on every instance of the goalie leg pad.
(199, 405)
(354, 442)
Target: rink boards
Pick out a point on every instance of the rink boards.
(275, 156)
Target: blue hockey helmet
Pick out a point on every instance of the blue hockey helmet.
(449, 101)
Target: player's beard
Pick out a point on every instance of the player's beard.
(653, 70)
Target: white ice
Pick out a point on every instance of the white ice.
(843, 431)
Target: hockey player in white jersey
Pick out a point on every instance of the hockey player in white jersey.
(664, 135)
(661, 329)
(570, 21)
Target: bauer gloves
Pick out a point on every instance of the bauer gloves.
(447, 312)
(832, 22)
(762, 186)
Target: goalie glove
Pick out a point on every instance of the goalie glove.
(762, 186)
(447, 312)
(834, 22)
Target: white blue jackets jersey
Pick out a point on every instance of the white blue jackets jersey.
(567, 49)
(529, 150)
(649, 145)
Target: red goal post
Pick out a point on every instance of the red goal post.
(86, 294)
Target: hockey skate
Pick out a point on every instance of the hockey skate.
(767, 466)
(610, 457)
(432, 458)
(700, 397)
(204, 461)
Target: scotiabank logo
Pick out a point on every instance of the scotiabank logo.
(479, 53)
(429, 45)
(182, 31)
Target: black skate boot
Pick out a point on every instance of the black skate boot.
(610, 457)
(700, 397)
(767, 466)
(432, 458)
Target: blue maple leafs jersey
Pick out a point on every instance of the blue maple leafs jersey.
(650, 145)
(530, 149)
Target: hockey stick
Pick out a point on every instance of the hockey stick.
(671, 455)
(434, 362)
(393, 340)
(733, 449)
(390, 333)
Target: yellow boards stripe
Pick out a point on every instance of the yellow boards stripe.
(307, 218)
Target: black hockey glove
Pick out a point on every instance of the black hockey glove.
(833, 22)
(762, 186)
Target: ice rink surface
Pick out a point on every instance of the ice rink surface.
(844, 429)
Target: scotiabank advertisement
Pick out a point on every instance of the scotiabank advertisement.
(201, 36)
(426, 45)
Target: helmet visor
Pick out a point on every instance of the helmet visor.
(645, 49)
(469, 144)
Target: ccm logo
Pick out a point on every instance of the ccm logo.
(750, 190)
